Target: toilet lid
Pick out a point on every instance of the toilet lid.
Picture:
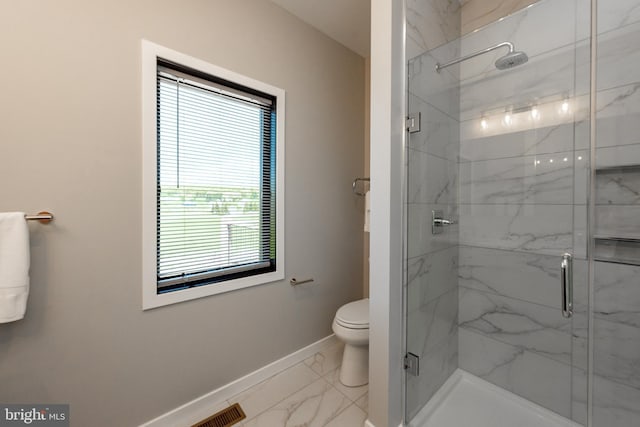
(354, 315)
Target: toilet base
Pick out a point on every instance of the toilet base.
(355, 365)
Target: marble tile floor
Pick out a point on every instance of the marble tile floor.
(307, 394)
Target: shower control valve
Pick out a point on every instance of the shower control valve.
(438, 221)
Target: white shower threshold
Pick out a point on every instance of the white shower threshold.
(468, 401)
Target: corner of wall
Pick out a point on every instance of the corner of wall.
(367, 169)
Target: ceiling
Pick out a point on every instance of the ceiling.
(346, 21)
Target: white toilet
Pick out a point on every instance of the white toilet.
(351, 325)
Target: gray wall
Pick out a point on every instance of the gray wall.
(71, 143)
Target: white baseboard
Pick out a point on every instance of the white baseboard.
(200, 408)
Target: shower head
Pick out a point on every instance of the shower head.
(510, 60)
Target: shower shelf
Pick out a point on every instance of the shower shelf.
(619, 239)
(621, 168)
(618, 250)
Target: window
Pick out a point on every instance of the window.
(212, 184)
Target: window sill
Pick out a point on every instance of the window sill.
(151, 299)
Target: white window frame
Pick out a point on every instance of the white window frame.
(150, 297)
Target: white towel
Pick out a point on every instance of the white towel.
(367, 211)
(14, 266)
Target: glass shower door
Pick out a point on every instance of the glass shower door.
(497, 185)
(432, 250)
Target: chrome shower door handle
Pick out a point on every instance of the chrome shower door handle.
(566, 279)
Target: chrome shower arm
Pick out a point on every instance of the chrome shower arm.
(473, 55)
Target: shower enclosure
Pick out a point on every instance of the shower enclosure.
(522, 246)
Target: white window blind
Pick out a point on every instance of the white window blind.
(215, 186)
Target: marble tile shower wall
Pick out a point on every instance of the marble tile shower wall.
(430, 24)
(432, 276)
(478, 13)
(616, 305)
(523, 180)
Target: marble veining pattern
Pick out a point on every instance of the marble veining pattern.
(618, 187)
(363, 402)
(433, 324)
(536, 141)
(327, 360)
(269, 392)
(618, 116)
(477, 13)
(441, 90)
(542, 179)
(617, 293)
(315, 405)
(617, 296)
(618, 57)
(617, 323)
(431, 23)
(439, 134)
(538, 329)
(432, 179)
(542, 380)
(519, 275)
(614, 404)
(617, 352)
(300, 396)
(523, 193)
(353, 393)
(617, 14)
(430, 276)
(542, 229)
(565, 21)
(352, 416)
(523, 29)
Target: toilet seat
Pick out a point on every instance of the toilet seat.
(354, 315)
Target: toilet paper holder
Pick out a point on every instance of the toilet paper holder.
(296, 282)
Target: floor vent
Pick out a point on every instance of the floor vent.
(227, 417)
